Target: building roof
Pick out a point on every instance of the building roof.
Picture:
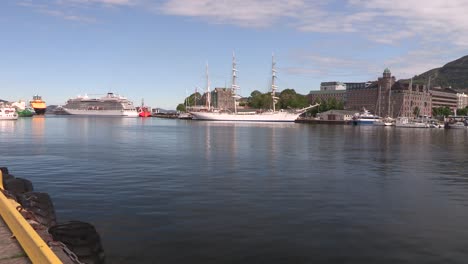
(328, 92)
(387, 70)
(338, 112)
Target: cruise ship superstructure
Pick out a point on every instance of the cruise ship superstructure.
(108, 105)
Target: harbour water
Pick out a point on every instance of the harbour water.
(174, 191)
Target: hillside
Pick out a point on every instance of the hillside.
(454, 74)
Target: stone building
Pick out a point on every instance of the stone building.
(361, 95)
(325, 95)
(408, 101)
(387, 97)
(222, 98)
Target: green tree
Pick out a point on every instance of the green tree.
(193, 99)
(181, 108)
(441, 111)
(416, 111)
(463, 111)
(255, 93)
(290, 99)
(259, 101)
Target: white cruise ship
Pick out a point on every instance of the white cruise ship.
(108, 105)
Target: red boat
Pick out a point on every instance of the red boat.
(144, 111)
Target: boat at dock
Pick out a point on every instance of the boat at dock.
(186, 116)
(22, 109)
(388, 121)
(108, 105)
(456, 125)
(271, 115)
(143, 110)
(38, 105)
(411, 123)
(365, 118)
(7, 112)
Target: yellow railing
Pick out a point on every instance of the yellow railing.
(36, 249)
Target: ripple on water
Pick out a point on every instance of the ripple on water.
(201, 192)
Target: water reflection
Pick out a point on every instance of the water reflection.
(7, 126)
(209, 192)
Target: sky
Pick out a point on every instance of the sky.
(158, 50)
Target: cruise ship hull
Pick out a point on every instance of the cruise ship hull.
(101, 112)
(261, 117)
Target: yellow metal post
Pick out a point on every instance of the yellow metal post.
(36, 249)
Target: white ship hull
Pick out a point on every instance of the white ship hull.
(8, 113)
(405, 122)
(101, 112)
(249, 117)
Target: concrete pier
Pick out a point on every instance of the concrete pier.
(10, 250)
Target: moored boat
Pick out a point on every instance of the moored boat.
(38, 105)
(456, 125)
(366, 118)
(144, 111)
(185, 116)
(271, 115)
(388, 121)
(7, 112)
(410, 123)
(22, 109)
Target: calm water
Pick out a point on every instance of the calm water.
(171, 191)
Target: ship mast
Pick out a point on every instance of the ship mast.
(379, 99)
(273, 85)
(208, 92)
(234, 86)
(410, 90)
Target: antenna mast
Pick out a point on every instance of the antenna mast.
(208, 91)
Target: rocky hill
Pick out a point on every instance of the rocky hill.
(454, 74)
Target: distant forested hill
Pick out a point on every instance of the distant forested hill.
(454, 74)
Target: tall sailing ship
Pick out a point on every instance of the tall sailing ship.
(108, 105)
(38, 105)
(271, 115)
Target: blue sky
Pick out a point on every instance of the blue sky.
(157, 50)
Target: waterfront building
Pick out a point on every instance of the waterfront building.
(325, 95)
(444, 97)
(336, 115)
(222, 98)
(462, 100)
(332, 86)
(407, 100)
(361, 95)
(388, 97)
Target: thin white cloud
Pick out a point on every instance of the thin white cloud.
(101, 2)
(73, 10)
(256, 13)
(56, 12)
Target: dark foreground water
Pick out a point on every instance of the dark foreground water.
(170, 191)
